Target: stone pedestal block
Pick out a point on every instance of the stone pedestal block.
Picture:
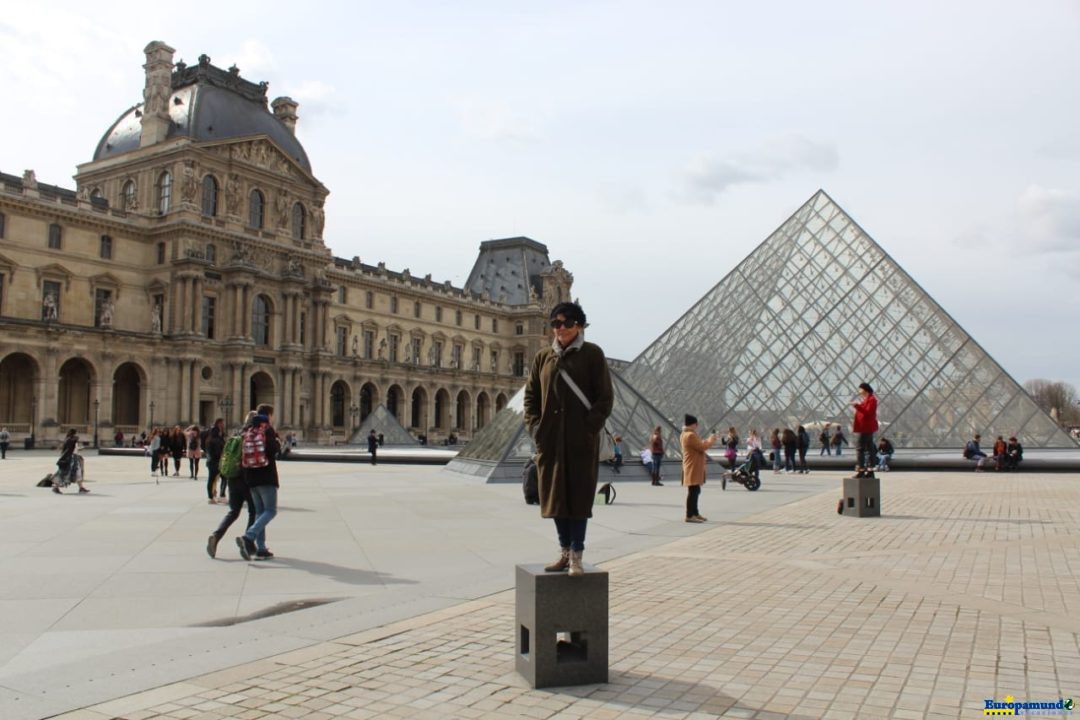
(862, 497)
(561, 633)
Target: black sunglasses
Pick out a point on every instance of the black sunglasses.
(563, 323)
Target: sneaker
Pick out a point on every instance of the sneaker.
(264, 554)
(701, 518)
(56, 490)
(695, 519)
(211, 545)
(84, 490)
(247, 547)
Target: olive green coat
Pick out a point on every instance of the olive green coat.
(567, 435)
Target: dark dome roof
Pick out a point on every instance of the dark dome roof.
(204, 110)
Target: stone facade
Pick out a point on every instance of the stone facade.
(186, 278)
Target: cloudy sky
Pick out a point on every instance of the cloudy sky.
(650, 145)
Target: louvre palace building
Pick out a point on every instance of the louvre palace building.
(186, 278)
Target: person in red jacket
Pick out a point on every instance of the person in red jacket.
(864, 427)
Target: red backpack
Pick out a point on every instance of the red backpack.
(254, 449)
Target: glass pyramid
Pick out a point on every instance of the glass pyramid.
(381, 420)
(787, 336)
(504, 443)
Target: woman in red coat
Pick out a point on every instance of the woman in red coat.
(865, 426)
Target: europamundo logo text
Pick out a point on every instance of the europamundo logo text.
(1045, 708)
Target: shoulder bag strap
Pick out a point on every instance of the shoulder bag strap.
(577, 391)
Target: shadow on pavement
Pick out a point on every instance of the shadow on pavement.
(627, 684)
(350, 576)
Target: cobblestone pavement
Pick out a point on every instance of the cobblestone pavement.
(967, 590)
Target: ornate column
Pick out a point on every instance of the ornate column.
(194, 392)
(183, 405)
(105, 391)
(246, 311)
(196, 304)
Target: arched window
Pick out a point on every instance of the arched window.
(260, 321)
(256, 204)
(209, 196)
(164, 192)
(95, 194)
(127, 195)
(299, 221)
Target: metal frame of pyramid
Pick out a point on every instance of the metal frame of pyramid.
(498, 452)
(818, 307)
(381, 420)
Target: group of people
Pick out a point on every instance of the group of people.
(254, 483)
(176, 443)
(1007, 455)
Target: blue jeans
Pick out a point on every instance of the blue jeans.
(656, 461)
(571, 533)
(777, 460)
(825, 449)
(264, 498)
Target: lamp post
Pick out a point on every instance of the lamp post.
(33, 422)
(151, 416)
(97, 404)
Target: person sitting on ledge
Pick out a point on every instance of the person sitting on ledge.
(1014, 454)
(885, 452)
(999, 453)
(972, 451)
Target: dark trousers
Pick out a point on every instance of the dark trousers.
(176, 464)
(373, 452)
(802, 459)
(866, 451)
(571, 532)
(3, 450)
(238, 495)
(211, 477)
(193, 466)
(693, 492)
(789, 457)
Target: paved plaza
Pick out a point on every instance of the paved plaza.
(968, 589)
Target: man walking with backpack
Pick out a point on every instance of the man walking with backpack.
(260, 474)
(228, 465)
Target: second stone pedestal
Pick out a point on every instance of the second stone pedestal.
(561, 629)
(862, 496)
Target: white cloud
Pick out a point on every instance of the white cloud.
(1050, 218)
(254, 59)
(707, 178)
(493, 120)
(622, 198)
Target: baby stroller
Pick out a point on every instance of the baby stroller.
(746, 474)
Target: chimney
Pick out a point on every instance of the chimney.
(155, 111)
(285, 111)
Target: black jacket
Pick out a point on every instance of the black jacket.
(266, 475)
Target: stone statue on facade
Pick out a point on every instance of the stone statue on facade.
(107, 311)
(318, 217)
(294, 267)
(232, 195)
(155, 319)
(382, 349)
(282, 209)
(356, 345)
(432, 356)
(48, 308)
(189, 186)
(29, 179)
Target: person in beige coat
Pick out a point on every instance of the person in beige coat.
(693, 463)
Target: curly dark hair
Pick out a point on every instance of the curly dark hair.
(570, 311)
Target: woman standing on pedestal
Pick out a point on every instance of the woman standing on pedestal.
(864, 427)
(568, 397)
